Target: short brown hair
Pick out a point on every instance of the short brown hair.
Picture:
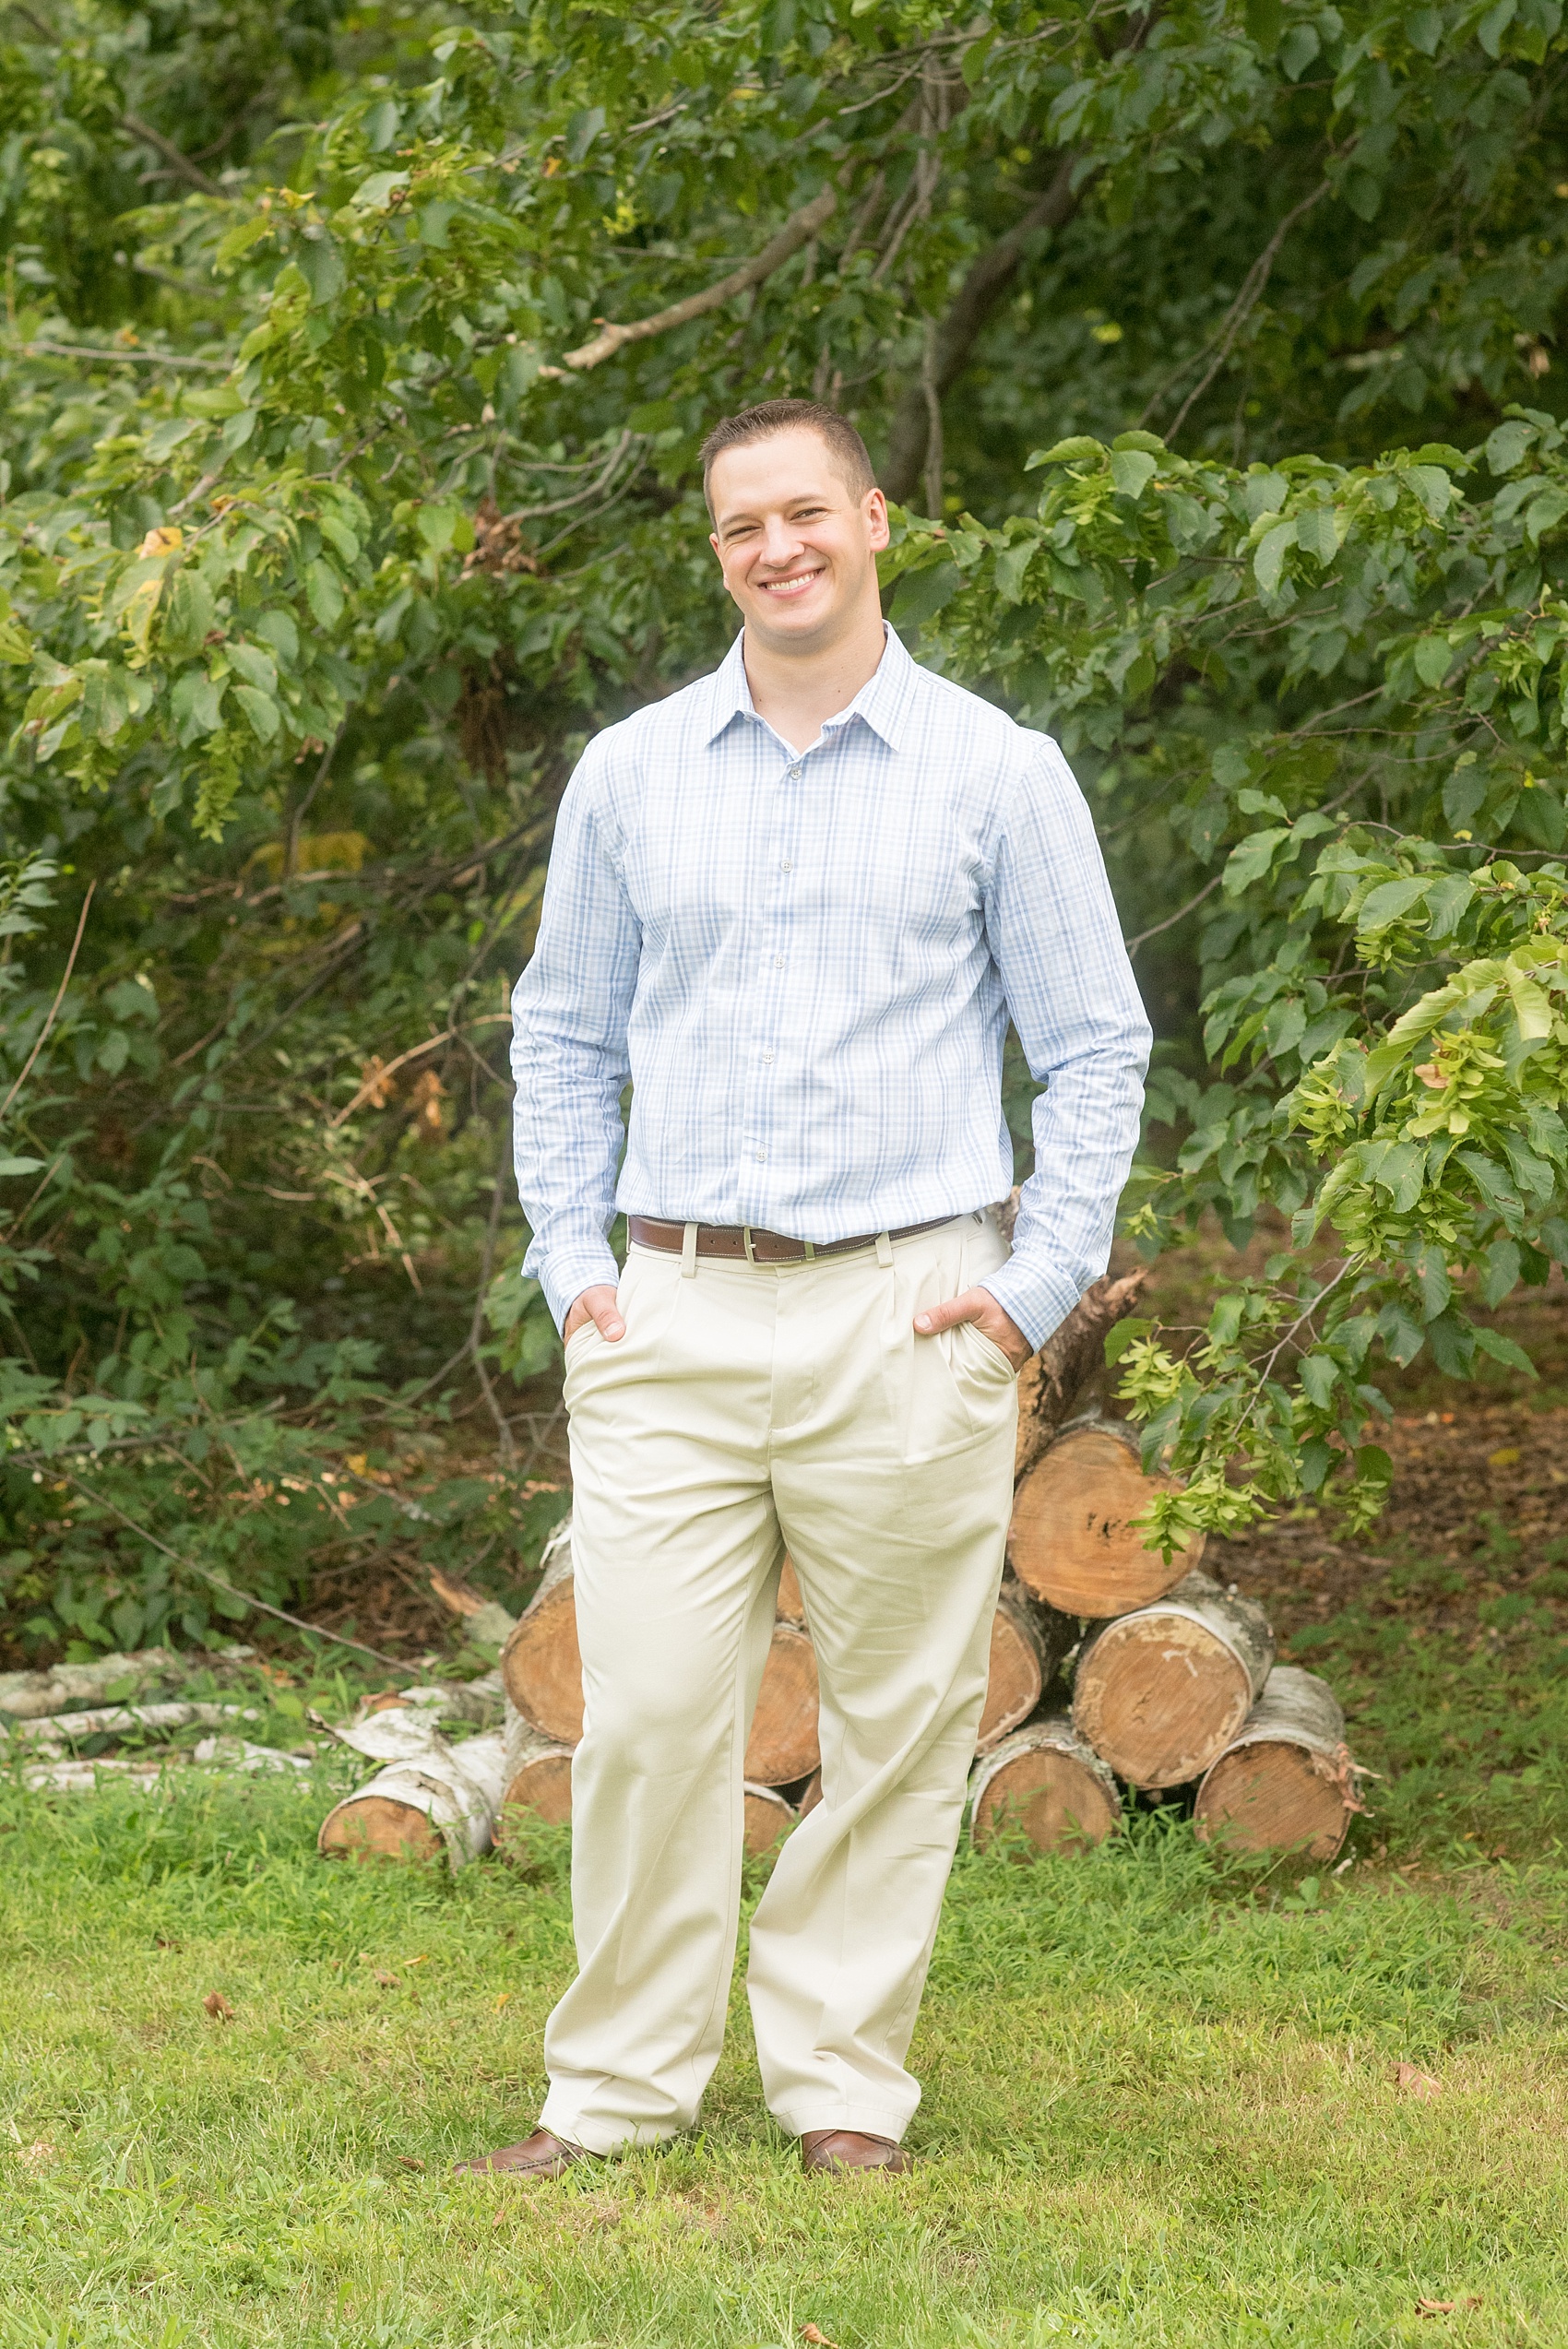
(845, 446)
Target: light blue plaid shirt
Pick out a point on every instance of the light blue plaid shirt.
(804, 962)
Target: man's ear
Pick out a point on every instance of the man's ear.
(878, 528)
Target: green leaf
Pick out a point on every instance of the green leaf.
(1011, 567)
(1318, 1373)
(1502, 1349)
(19, 1166)
(922, 594)
(1247, 862)
(1508, 447)
(1545, 512)
(1433, 657)
(1132, 469)
(1318, 534)
(189, 614)
(321, 265)
(1068, 452)
(1270, 561)
(1463, 794)
(1390, 899)
(261, 711)
(1494, 24)
(1125, 1335)
(1266, 22)
(322, 592)
(582, 130)
(372, 195)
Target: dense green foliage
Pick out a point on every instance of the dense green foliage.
(333, 522)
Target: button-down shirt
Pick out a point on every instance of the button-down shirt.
(804, 962)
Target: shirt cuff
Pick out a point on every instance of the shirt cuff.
(565, 1272)
(1037, 1297)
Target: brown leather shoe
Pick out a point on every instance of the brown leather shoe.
(542, 2156)
(850, 2149)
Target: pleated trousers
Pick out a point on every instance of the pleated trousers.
(749, 1408)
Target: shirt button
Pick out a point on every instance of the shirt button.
(761, 1154)
(786, 866)
(777, 962)
(767, 1057)
(794, 775)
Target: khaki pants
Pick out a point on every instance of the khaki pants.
(748, 1407)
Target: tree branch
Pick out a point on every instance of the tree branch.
(798, 230)
(1241, 310)
(989, 281)
(178, 162)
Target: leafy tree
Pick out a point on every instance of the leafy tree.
(336, 516)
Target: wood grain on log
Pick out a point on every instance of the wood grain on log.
(1161, 1693)
(540, 1663)
(1073, 1542)
(1286, 1781)
(769, 1817)
(1047, 1784)
(1028, 1642)
(538, 1783)
(784, 1743)
(443, 1796)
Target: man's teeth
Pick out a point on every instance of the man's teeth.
(788, 587)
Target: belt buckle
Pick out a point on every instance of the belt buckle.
(746, 1243)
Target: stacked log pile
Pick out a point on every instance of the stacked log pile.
(1112, 1669)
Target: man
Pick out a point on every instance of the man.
(795, 904)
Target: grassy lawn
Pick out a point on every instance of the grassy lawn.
(1161, 2107)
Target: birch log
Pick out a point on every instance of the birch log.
(541, 1667)
(1286, 1781)
(538, 1782)
(1073, 1542)
(1045, 1782)
(1161, 1692)
(784, 1743)
(1050, 1384)
(769, 1816)
(441, 1797)
(789, 1606)
(1028, 1643)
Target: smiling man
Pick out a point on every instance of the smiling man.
(795, 905)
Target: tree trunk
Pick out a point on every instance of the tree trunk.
(538, 1783)
(1044, 1783)
(1073, 1542)
(444, 1796)
(1161, 1693)
(769, 1817)
(1028, 1643)
(784, 1743)
(1286, 1781)
(540, 1663)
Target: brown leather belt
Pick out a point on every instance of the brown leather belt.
(758, 1247)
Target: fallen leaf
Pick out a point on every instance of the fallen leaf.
(1412, 2081)
(1436, 2307)
(1504, 1457)
(820, 2340)
(217, 2007)
(410, 2160)
(387, 1981)
(502, 2001)
(41, 2150)
(422, 1959)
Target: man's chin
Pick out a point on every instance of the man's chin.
(803, 627)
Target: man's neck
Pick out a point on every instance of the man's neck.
(798, 691)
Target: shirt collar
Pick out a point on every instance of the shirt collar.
(881, 702)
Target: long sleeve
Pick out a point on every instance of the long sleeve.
(570, 1062)
(1056, 940)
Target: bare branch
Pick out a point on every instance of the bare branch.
(178, 162)
(1241, 310)
(122, 358)
(798, 230)
(54, 1006)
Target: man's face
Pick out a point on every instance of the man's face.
(797, 546)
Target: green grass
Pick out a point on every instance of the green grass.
(1159, 2108)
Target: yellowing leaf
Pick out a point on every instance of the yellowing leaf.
(164, 540)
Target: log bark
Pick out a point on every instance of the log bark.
(1073, 1542)
(784, 1744)
(1046, 1783)
(1286, 1781)
(1028, 1643)
(541, 1667)
(444, 1797)
(1160, 1693)
(538, 1783)
(810, 1795)
(769, 1817)
(1051, 1382)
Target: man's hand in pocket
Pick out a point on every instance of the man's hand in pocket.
(979, 1306)
(599, 1305)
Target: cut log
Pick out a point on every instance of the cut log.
(789, 1606)
(1044, 1783)
(769, 1816)
(538, 1783)
(810, 1794)
(1050, 1384)
(1028, 1642)
(784, 1742)
(445, 1796)
(1286, 1781)
(1161, 1693)
(541, 1666)
(1073, 1542)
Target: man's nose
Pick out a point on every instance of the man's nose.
(780, 540)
